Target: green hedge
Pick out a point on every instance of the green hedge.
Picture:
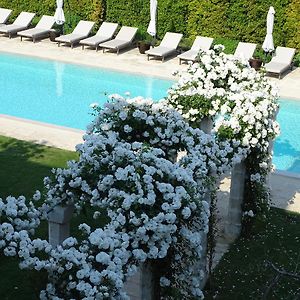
(74, 10)
(241, 20)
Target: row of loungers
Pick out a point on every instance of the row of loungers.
(281, 61)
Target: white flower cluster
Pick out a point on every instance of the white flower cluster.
(16, 216)
(128, 171)
(128, 167)
(242, 101)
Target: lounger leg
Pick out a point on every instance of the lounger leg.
(118, 50)
(82, 47)
(148, 56)
(21, 38)
(180, 61)
(58, 44)
(71, 45)
(163, 59)
(97, 48)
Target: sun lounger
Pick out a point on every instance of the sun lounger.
(105, 33)
(281, 62)
(81, 31)
(21, 22)
(4, 15)
(42, 29)
(201, 43)
(167, 46)
(123, 39)
(245, 50)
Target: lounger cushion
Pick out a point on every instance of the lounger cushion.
(276, 67)
(160, 51)
(69, 38)
(188, 55)
(33, 32)
(95, 40)
(12, 28)
(115, 44)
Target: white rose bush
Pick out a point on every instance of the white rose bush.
(148, 171)
(242, 103)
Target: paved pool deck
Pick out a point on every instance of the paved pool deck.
(285, 189)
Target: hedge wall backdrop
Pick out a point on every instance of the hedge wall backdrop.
(242, 20)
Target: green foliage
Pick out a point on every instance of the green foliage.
(229, 44)
(292, 25)
(93, 10)
(207, 18)
(242, 20)
(297, 60)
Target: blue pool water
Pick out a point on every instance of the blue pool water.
(61, 94)
(287, 145)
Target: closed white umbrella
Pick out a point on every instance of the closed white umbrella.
(268, 44)
(59, 16)
(152, 25)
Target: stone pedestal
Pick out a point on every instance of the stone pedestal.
(59, 224)
(206, 125)
(140, 286)
(236, 199)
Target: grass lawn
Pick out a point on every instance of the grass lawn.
(23, 166)
(244, 271)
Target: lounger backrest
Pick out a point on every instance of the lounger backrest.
(83, 28)
(284, 55)
(107, 29)
(24, 18)
(46, 22)
(4, 14)
(126, 33)
(245, 50)
(171, 40)
(202, 43)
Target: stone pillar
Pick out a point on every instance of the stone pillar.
(236, 198)
(206, 125)
(140, 286)
(59, 224)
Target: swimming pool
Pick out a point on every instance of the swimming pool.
(287, 145)
(60, 93)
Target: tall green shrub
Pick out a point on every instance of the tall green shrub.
(207, 17)
(292, 25)
(74, 10)
(129, 13)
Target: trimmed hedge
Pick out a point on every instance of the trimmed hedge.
(74, 10)
(241, 20)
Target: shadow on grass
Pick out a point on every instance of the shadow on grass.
(244, 273)
(24, 165)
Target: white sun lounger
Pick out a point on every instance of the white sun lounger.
(201, 43)
(281, 62)
(105, 33)
(123, 39)
(4, 15)
(21, 22)
(81, 31)
(245, 50)
(42, 29)
(167, 46)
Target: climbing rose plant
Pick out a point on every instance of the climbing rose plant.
(155, 203)
(242, 103)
